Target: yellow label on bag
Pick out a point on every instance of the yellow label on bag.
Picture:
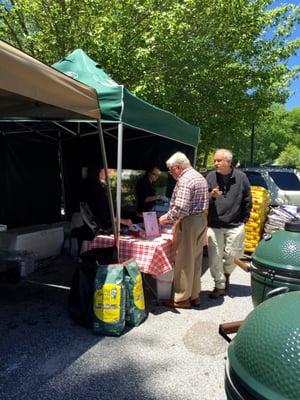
(138, 293)
(107, 303)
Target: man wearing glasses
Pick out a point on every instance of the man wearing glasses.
(188, 211)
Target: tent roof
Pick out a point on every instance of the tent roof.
(31, 89)
(118, 104)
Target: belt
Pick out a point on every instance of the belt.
(204, 212)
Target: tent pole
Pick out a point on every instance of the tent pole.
(119, 173)
(61, 166)
(110, 201)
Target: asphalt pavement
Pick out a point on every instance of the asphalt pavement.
(174, 354)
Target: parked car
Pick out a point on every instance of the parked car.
(283, 184)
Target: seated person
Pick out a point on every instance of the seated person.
(145, 190)
(93, 192)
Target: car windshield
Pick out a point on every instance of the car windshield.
(256, 179)
(285, 180)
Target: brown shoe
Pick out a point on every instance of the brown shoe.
(216, 293)
(227, 281)
(177, 304)
(195, 302)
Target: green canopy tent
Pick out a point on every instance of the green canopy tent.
(142, 132)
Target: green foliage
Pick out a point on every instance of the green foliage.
(274, 132)
(128, 189)
(290, 156)
(210, 62)
(293, 119)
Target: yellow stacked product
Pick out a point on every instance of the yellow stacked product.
(258, 215)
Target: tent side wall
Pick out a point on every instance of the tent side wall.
(30, 182)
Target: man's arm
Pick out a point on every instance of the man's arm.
(247, 198)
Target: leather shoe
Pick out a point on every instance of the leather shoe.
(177, 304)
(216, 293)
(195, 302)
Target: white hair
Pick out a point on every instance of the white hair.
(178, 159)
(226, 154)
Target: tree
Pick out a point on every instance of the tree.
(290, 156)
(219, 65)
(294, 122)
(273, 133)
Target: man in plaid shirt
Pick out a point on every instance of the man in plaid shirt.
(188, 211)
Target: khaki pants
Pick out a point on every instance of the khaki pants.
(190, 233)
(223, 246)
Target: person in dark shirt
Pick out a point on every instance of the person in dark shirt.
(145, 190)
(93, 199)
(230, 205)
(94, 193)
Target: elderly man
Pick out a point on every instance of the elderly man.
(188, 210)
(229, 209)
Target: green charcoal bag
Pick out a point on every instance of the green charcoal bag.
(135, 302)
(109, 300)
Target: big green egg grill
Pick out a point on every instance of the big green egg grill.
(264, 356)
(276, 264)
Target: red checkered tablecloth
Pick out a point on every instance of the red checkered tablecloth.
(153, 257)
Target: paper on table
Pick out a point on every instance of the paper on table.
(151, 224)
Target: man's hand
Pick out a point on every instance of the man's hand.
(216, 192)
(163, 220)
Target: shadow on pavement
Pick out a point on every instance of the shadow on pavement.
(45, 355)
(239, 290)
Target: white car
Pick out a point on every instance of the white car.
(283, 184)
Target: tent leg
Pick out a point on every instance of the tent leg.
(110, 201)
(61, 166)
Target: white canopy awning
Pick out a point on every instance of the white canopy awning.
(30, 89)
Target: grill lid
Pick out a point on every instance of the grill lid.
(280, 250)
(264, 355)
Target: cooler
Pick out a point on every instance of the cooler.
(164, 285)
(43, 240)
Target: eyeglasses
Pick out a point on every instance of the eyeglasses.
(171, 169)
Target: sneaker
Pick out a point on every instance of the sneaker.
(216, 293)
